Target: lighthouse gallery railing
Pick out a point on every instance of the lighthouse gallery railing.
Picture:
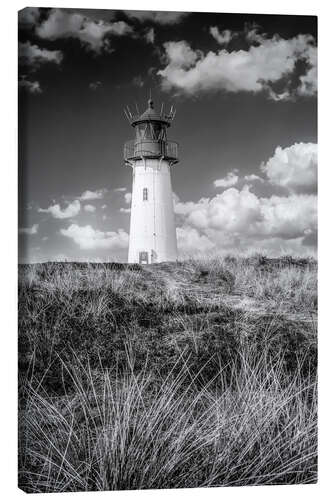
(151, 149)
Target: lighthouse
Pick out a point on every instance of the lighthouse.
(151, 156)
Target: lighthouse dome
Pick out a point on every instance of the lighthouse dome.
(150, 115)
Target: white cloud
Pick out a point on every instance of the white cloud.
(89, 208)
(125, 210)
(34, 56)
(253, 177)
(287, 217)
(103, 207)
(29, 230)
(33, 87)
(57, 212)
(156, 17)
(189, 240)
(249, 33)
(29, 16)
(252, 70)
(242, 212)
(224, 37)
(95, 85)
(128, 197)
(240, 219)
(88, 238)
(232, 210)
(275, 96)
(180, 56)
(92, 34)
(150, 35)
(185, 208)
(229, 180)
(93, 195)
(294, 168)
(252, 35)
(309, 80)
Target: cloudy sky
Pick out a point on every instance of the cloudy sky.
(245, 91)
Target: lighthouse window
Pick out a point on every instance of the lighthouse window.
(145, 194)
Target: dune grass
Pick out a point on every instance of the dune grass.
(135, 378)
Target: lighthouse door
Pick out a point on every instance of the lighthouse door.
(143, 258)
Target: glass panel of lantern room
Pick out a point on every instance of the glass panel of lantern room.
(140, 131)
(148, 130)
(153, 130)
(156, 130)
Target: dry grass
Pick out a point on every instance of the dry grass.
(137, 378)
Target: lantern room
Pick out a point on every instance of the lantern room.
(151, 135)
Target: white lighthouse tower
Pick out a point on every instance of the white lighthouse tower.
(151, 155)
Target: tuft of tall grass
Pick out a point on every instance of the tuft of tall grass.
(145, 377)
(133, 431)
(291, 284)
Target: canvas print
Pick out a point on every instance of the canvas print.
(167, 250)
